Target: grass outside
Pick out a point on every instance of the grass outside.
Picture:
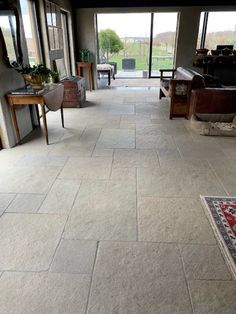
(140, 52)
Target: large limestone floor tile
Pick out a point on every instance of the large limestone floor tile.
(177, 182)
(28, 179)
(200, 150)
(121, 109)
(74, 256)
(41, 161)
(226, 172)
(60, 198)
(138, 278)
(28, 241)
(173, 220)
(204, 262)
(123, 173)
(213, 297)
(5, 200)
(43, 293)
(103, 210)
(154, 141)
(135, 158)
(87, 168)
(26, 203)
(116, 138)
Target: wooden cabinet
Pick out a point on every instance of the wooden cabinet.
(74, 92)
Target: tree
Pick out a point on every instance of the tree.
(109, 42)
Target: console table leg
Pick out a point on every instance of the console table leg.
(13, 112)
(45, 122)
(62, 117)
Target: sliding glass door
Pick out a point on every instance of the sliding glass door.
(138, 44)
(164, 29)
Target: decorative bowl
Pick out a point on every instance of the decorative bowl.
(35, 81)
(202, 51)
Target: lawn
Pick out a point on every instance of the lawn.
(140, 52)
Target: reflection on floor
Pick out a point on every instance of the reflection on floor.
(118, 82)
(107, 218)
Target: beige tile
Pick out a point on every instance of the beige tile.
(200, 150)
(87, 168)
(61, 196)
(28, 241)
(116, 138)
(204, 262)
(121, 109)
(26, 203)
(177, 182)
(5, 200)
(136, 259)
(166, 153)
(226, 172)
(213, 297)
(43, 293)
(173, 220)
(123, 173)
(138, 278)
(103, 210)
(100, 152)
(135, 158)
(29, 179)
(193, 164)
(154, 141)
(74, 256)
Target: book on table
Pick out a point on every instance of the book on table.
(28, 90)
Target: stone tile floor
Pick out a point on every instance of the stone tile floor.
(107, 218)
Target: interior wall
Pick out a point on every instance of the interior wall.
(187, 30)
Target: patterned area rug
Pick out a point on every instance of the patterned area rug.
(222, 215)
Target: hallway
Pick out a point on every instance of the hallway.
(107, 219)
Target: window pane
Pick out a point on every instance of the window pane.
(31, 31)
(200, 30)
(221, 29)
(164, 37)
(8, 27)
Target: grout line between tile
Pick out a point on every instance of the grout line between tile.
(185, 279)
(91, 280)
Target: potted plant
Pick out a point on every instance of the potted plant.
(84, 55)
(37, 75)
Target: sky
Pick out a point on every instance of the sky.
(138, 24)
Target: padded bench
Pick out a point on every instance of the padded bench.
(108, 69)
(178, 88)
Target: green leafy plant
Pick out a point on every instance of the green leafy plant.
(84, 54)
(39, 70)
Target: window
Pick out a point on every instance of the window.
(219, 28)
(8, 28)
(31, 31)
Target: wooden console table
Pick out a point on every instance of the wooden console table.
(89, 66)
(51, 97)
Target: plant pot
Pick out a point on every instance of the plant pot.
(35, 81)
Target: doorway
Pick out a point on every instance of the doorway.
(137, 44)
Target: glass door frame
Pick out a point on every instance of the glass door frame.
(150, 40)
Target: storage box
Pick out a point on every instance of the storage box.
(74, 92)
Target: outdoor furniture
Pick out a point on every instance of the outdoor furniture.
(128, 64)
(107, 69)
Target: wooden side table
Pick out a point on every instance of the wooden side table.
(23, 99)
(89, 66)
